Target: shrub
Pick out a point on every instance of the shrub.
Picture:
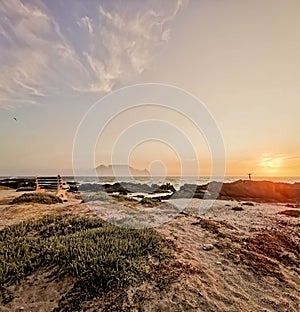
(40, 198)
(122, 198)
(150, 202)
(99, 196)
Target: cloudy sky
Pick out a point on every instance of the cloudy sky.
(239, 58)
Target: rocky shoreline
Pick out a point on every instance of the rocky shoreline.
(257, 191)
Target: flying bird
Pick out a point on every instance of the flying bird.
(15, 119)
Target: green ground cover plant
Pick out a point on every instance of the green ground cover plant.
(98, 255)
(40, 198)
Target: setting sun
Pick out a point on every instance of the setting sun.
(270, 163)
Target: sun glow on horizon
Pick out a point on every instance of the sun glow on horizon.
(279, 165)
(269, 161)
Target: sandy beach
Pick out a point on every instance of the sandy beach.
(226, 259)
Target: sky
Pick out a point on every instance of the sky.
(240, 59)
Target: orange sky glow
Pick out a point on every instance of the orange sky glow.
(240, 59)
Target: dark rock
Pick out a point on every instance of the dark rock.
(73, 186)
(190, 191)
(258, 191)
(208, 247)
(291, 213)
(16, 183)
(115, 188)
(90, 187)
(237, 208)
(291, 206)
(150, 202)
(166, 188)
(129, 187)
(248, 204)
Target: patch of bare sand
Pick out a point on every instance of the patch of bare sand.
(15, 213)
(253, 265)
(38, 292)
(225, 260)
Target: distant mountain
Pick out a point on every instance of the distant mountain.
(120, 170)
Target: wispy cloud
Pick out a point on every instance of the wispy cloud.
(34, 44)
(87, 23)
(109, 46)
(129, 41)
